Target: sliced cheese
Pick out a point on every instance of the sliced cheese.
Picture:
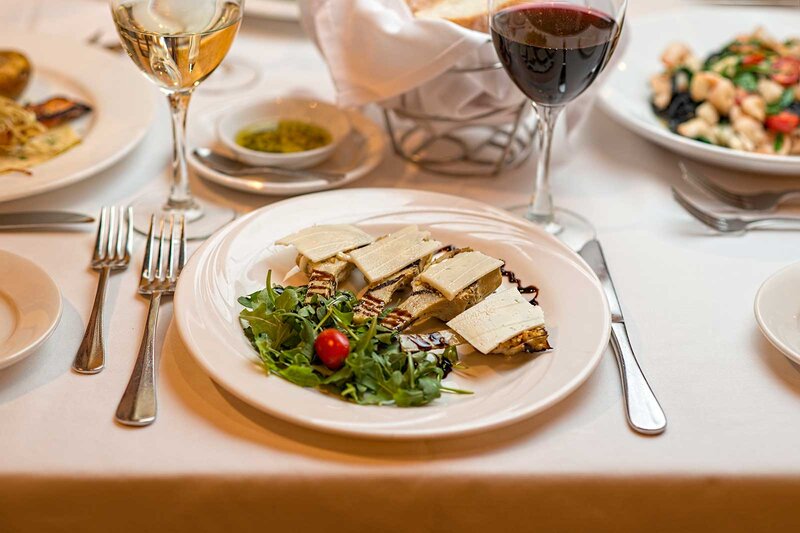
(318, 243)
(455, 274)
(394, 252)
(496, 319)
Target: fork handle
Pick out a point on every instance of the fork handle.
(138, 404)
(91, 355)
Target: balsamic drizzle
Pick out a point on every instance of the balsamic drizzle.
(528, 289)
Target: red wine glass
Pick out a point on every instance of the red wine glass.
(553, 51)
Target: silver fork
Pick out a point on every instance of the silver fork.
(112, 251)
(138, 404)
(734, 224)
(759, 201)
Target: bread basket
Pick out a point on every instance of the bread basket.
(485, 144)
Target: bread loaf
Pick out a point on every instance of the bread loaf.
(472, 14)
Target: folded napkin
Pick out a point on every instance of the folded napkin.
(377, 50)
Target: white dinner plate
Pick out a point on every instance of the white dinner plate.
(235, 261)
(356, 156)
(30, 307)
(777, 309)
(273, 9)
(625, 95)
(121, 99)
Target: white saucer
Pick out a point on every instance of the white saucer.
(356, 156)
(777, 309)
(30, 307)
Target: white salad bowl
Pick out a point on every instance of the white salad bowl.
(321, 114)
(625, 95)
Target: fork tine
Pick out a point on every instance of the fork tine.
(706, 218)
(99, 248)
(182, 253)
(712, 188)
(171, 255)
(129, 236)
(692, 209)
(120, 234)
(160, 260)
(147, 268)
(112, 232)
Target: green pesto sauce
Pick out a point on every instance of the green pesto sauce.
(286, 136)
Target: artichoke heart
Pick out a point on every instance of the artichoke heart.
(425, 302)
(323, 276)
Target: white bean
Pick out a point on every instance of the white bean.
(770, 90)
(707, 112)
(750, 129)
(755, 106)
(723, 95)
(694, 128)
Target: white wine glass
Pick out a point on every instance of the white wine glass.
(177, 44)
(553, 51)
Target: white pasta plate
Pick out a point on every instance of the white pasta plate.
(122, 101)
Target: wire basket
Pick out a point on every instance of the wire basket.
(482, 145)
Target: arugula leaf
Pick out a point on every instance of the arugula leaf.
(301, 375)
(778, 142)
(747, 81)
(282, 328)
(785, 101)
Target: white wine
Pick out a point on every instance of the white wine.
(177, 44)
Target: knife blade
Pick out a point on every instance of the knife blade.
(35, 219)
(642, 409)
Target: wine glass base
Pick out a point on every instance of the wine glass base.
(202, 218)
(570, 227)
(231, 75)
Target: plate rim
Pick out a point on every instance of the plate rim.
(406, 434)
(48, 332)
(778, 164)
(132, 138)
(761, 321)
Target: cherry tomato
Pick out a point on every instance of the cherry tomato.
(786, 70)
(332, 347)
(783, 122)
(753, 59)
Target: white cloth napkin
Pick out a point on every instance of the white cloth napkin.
(377, 50)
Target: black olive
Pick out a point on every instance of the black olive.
(680, 109)
(794, 107)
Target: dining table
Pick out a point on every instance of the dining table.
(728, 461)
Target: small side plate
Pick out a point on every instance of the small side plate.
(357, 155)
(777, 309)
(30, 307)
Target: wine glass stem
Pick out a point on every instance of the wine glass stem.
(540, 210)
(180, 197)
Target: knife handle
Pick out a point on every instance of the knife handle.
(642, 409)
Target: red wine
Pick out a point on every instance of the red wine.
(552, 51)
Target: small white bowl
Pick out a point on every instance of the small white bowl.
(322, 114)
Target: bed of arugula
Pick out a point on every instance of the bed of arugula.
(282, 328)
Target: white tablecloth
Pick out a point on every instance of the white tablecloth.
(730, 459)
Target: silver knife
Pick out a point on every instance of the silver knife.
(642, 409)
(36, 219)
